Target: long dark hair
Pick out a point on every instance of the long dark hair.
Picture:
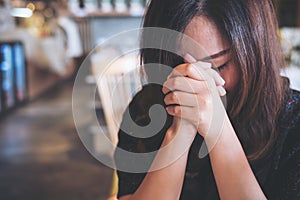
(250, 26)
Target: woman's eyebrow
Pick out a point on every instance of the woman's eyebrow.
(214, 56)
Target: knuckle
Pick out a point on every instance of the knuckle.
(166, 87)
(207, 101)
(190, 68)
(166, 99)
(204, 101)
(177, 110)
(173, 97)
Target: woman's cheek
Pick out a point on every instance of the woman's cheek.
(231, 76)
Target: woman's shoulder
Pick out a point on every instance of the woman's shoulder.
(288, 140)
(283, 178)
(290, 114)
(289, 125)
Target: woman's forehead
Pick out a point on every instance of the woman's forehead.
(207, 40)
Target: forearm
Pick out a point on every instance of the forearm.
(233, 175)
(166, 183)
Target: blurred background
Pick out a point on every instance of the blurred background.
(42, 46)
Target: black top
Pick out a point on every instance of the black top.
(278, 175)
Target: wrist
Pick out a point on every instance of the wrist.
(223, 129)
(181, 132)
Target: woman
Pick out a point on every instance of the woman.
(255, 154)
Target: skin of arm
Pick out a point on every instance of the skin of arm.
(232, 172)
(166, 183)
(234, 177)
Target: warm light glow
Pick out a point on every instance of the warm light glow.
(21, 12)
(31, 6)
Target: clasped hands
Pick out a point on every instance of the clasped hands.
(192, 91)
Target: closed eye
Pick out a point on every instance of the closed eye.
(221, 67)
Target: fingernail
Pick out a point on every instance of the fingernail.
(204, 65)
(222, 91)
(219, 80)
(222, 81)
(189, 58)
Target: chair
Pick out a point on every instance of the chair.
(117, 82)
